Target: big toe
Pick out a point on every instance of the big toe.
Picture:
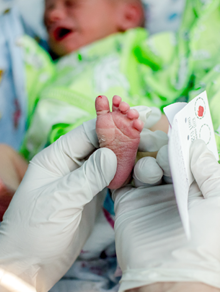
(102, 105)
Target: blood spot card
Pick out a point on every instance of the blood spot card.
(188, 122)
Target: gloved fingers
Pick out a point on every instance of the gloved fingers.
(73, 191)
(163, 161)
(90, 130)
(148, 115)
(152, 141)
(205, 169)
(144, 112)
(153, 118)
(147, 172)
(67, 153)
(131, 199)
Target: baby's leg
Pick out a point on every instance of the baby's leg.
(119, 131)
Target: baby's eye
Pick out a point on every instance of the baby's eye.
(70, 3)
(49, 5)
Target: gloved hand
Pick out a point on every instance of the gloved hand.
(152, 159)
(53, 211)
(150, 241)
(152, 167)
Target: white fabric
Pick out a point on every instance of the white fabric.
(54, 209)
(13, 99)
(158, 250)
(32, 13)
(96, 275)
(163, 15)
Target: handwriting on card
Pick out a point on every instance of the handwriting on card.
(192, 128)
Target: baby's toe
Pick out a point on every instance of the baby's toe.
(124, 107)
(132, 114)
(116, 100)
(138, 125)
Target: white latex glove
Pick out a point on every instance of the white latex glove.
(148, 115)
(150, 171)
(54, 209)
(150, 241)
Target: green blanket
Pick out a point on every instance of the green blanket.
(144, 70)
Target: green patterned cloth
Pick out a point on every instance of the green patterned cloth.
(144, 70)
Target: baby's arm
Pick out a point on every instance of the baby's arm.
(12, 167)
(12, 170)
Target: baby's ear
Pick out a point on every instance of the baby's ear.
(130, 15)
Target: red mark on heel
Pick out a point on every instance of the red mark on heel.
(100, 96)
(200, 111)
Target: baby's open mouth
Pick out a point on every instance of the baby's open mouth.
(61, 32)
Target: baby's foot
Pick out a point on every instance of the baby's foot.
(119, 131)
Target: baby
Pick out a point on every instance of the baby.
(72, 24)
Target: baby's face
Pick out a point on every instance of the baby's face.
(72, 24)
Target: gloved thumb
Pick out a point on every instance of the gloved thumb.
(163, 161)
(68, 194)
(100, 169)
(205, 169)
(147, 172)
(152, 141)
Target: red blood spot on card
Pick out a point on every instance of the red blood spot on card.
(200, 111)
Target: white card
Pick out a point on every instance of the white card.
(188, 122)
